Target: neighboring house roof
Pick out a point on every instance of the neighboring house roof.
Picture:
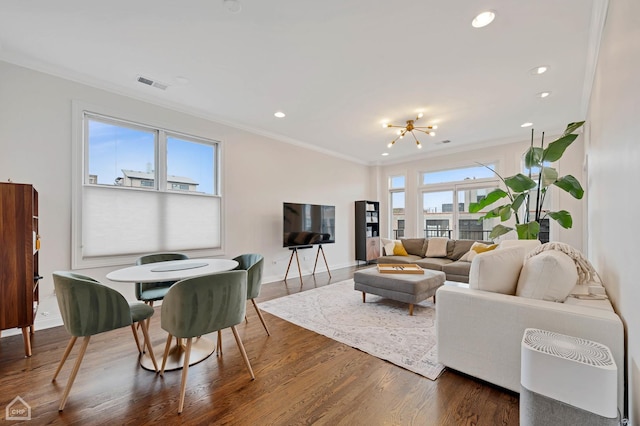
(150, 176)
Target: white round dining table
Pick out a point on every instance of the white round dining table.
(174, 270)
(171, 270)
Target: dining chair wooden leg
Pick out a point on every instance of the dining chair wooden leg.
(147, 341)
(185, 370)
(242, 351)
(135, 337)
(74, 372)
(219, 345)
(166, 353)
(264, 324)
(67, 351)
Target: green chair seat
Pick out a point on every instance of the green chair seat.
(140, 311)
(151, 292)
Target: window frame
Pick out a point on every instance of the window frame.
(455, 187)
(81, 178)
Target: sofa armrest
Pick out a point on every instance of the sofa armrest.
(479, 333)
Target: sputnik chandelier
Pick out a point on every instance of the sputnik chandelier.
(409, 128)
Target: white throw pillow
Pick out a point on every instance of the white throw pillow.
(388, 245)
(497, 270)
(550, 275)
(437, 247)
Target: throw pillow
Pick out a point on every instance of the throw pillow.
(476, 249)
(398, 249)
(437, 247)
(496, 270)
(388, 246)
(549, 275)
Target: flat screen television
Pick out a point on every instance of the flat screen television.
(308, 224)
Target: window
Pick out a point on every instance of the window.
(461, 174)
(143, 189)
(396, 195)
(446, 195)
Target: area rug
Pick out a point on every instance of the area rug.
(380, 327)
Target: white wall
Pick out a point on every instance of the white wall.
(259, 174)
(613, 154)
(508, 157)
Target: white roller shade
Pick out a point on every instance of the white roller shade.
(117, 221)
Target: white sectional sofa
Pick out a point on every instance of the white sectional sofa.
(480, 332)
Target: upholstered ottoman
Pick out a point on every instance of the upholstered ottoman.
(407, 288)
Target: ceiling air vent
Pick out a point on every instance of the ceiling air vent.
(152, 83)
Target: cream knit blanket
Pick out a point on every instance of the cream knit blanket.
(586, 271)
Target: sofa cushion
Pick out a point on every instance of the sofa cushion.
(415, 246)
(497, 270)
(434, 263)
(460, 247)
(528, 245)
(457, 268)
(550, 275)
(437, 247)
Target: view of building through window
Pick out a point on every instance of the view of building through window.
(397, 194)
(123, 154)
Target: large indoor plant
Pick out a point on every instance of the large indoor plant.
(519, 190)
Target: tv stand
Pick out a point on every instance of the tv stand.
(294, 251)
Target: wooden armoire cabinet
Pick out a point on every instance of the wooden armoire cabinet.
(19, 246)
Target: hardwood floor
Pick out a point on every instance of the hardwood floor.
(301, 378)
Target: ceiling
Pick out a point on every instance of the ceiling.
(337, 68)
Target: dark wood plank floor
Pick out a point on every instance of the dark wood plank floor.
(301, 378)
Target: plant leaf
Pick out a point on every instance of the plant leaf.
(518, 200)
(572, 127)
(549, 176)
(491, 198)
(505, 212)
(520, 183)
(571, 185)
(563, 217)
(528, 231)
(556, 148)
(499, 230)
(533, 157)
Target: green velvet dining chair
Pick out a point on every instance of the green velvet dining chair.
(150, 292)
(88, 308)
(253, 264)
(197, 306)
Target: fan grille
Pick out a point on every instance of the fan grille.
(569, 347)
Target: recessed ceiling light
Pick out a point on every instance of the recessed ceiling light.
(280, 114)
(539, 70)
(384, 154)
(526, 125)
(483, 19)
(543, 94)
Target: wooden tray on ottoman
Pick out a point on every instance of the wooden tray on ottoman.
(400, 268)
